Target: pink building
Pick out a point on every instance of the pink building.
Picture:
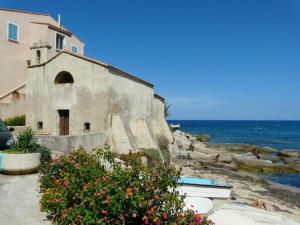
(20, 33)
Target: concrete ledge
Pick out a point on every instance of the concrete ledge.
(19, 163)
(18, 129)
(71, 142)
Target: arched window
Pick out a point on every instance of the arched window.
(38, 56)
(63, 78)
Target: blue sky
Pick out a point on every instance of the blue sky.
(211, 59)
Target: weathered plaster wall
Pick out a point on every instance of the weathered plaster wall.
(13, 105)
(15, 108)
(110, 101)
(69, 143)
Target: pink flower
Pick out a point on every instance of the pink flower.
(165, 216)
(66, 183)
(103, 211)
(198, 219)
(107, 200)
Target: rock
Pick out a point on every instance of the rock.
(289, 153)
(271, 157)
(180, 154)
(281, 169)
(255, 165)
(202, 138)
(144, 160)
(292, 160)
(196, 155)
(226, 159)
(251, 162)
(248, 148)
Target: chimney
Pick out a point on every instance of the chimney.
(58, 21)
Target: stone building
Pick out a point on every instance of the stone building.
(71, 100)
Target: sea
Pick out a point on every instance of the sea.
(277, 134)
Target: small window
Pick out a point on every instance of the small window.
(38, 56)
(74, 49)
(40, 125)
(63, 78)
(60, 41)
(86, 127)
(13, 31)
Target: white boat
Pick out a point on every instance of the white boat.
(176, 126)
(201, 187)
(198, 204)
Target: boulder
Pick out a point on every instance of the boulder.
(202, 137)
(251, 162)
(248, 148)
(292, 160)
(271, 157)
(226, 159)
(255, 165)
(181, 154)
(289, 153)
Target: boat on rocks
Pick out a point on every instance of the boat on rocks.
(201, 187)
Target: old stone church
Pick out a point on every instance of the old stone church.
(71, 100)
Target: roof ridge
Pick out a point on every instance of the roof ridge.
(110, 67)
(24, 11)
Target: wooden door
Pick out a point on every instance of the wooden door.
(63, 122)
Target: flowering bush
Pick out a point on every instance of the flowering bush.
(83, 188)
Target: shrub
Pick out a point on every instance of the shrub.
(166, 155)
(26, 143)
(163, 142)
(167, 107)
(153, 156)
(15, 121)
(83, 188)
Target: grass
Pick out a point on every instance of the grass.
(15, 121)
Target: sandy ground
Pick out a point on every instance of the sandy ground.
(247, 187)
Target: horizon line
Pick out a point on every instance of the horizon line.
(234, 119)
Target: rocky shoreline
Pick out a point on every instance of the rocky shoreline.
(218, 162)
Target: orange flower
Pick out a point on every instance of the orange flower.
(145, 218)
(156, 219)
